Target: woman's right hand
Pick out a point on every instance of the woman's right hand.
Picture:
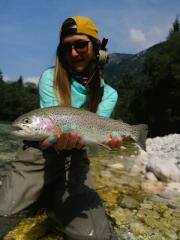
(65, 141)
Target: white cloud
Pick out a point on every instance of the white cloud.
(25, 79)
(31, 79)
(137, 36)
(5, 78)
(155, 31)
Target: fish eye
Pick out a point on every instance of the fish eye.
(26, 120)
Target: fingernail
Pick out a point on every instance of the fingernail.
(65, 127)
(74, 127)
(115, 133)
(127, 137)
(52, 139)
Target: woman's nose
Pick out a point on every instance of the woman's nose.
(74, 52)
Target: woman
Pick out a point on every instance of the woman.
(55, 172)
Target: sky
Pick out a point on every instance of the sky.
(29, 29)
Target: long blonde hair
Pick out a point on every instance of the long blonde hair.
(61, 84)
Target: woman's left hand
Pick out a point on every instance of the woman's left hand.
(114, 140)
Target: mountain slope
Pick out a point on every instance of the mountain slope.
(120, 64)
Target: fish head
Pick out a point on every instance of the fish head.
(33, 127)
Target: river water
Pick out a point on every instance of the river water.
(134, 204)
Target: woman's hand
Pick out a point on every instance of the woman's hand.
(114, 140)
(63, 141)
(68, 141)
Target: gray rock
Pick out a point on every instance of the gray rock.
(162, 158)
(129, 202)
(151, 177)
(164, 169)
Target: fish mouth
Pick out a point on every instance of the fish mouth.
(20, 130)
(26, 133)
(17, 128)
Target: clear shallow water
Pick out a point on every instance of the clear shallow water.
(8, 144)
(133, 204)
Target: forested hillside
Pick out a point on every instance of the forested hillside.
(16, 98)
(149, 85)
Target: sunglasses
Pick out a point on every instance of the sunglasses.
(80, 46)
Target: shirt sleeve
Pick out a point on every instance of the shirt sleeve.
(108, 102)
(46, 91)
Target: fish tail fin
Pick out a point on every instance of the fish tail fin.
(141, 135)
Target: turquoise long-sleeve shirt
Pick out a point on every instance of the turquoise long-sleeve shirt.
(78, 94)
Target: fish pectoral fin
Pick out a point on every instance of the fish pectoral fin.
(104, 146)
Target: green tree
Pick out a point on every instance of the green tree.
(31, 87)
(127, 91)
(175, 28)
(1, 76)
(20, 81)
(16, 100)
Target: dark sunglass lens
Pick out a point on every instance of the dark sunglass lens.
(81, 45)
(67, 47)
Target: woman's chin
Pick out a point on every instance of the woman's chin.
(79, 69)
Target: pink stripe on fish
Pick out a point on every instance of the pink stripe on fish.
(42, 123)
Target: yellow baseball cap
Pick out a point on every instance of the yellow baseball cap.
(84, 25)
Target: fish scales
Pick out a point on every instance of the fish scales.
(88, 123)
(38, 124)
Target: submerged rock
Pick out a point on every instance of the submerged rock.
(129, 202)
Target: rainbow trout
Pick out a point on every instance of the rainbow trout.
(39, 123)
